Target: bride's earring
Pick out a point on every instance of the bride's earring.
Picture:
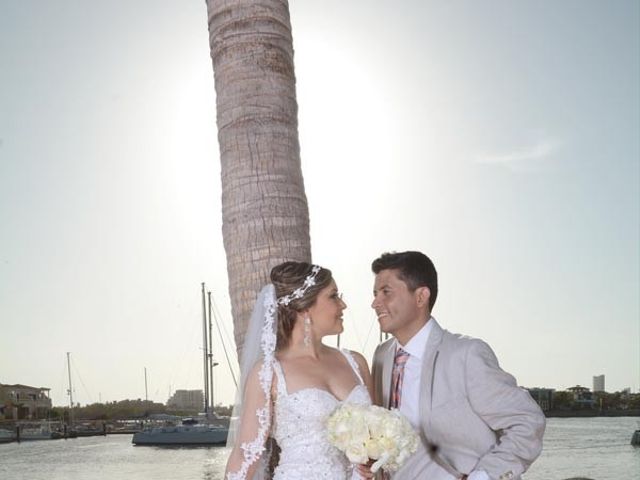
(307, 330)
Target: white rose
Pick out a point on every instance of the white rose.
(372, 432)
(357, 453)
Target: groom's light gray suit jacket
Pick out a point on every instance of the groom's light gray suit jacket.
(473, 416)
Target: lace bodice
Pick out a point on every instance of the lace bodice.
(300, 430)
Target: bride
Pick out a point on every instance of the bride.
(291, 382)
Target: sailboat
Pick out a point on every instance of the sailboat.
(6, 436)
(212, 430)
(42, 430)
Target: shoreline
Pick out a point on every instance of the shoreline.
(590, 413)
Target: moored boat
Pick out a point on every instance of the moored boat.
(189, 433)
(37, 431)
(206, 430)
(7, 436)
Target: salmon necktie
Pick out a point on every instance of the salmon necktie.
(397, 376)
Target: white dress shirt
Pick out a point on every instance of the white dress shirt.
(415, 347)
(410, 398)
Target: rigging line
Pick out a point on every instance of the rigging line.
(227, 337)
(224, 329)
(216, 314)
(177, 374)
(224, 347)
(86, 390)
(63, 389)
(350, 320)
(366, 340)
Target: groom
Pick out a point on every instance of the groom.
(474, 421)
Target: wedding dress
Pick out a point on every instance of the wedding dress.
(300, 429)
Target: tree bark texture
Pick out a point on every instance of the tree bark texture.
(264, 206)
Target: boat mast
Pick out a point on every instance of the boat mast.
(212, 363)
(204, 342)
(70, 391)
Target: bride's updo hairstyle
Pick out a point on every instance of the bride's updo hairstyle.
(287, 278)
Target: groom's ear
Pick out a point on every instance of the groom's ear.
(422, 296)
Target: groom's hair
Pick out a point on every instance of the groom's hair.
(414, 268)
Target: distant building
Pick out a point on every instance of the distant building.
(598, 383)
(187, 400)
(543, 397)
(582, 396)
(22, 402)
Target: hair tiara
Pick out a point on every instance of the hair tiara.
(309, 281)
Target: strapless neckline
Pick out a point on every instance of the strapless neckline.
(300, 428)
(327, 392)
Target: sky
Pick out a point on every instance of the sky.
(500, 138)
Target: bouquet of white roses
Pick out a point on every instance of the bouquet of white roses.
(370, 432)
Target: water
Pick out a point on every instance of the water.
(596, 448)
(108, 458)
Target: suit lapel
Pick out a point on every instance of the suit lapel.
(429, 364)
(387, 368)
(427, 380)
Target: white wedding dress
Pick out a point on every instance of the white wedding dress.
(300, 430)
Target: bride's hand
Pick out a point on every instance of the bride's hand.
(365, 470)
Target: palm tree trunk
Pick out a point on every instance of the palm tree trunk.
(264, 206)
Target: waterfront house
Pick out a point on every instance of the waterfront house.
(22, 402)
(582, 396)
